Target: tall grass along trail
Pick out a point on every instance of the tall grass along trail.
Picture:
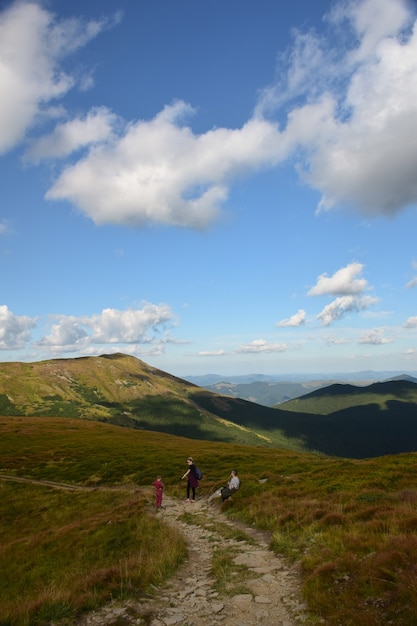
(230, 577)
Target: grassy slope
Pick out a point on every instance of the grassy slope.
(350, 523)
(123, 390)
(340, 420)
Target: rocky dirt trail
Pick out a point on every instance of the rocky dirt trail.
(261, 589)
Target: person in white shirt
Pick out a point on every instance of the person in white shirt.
(232, 486)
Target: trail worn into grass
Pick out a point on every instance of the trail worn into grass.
(259, 588)
(230, 577)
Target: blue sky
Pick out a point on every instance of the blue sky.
(212, 187)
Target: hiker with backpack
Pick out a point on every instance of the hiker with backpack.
(192, 474)
(232, 486)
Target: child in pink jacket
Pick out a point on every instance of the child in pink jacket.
(159, 488)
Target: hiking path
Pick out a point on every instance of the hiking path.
(261, 589)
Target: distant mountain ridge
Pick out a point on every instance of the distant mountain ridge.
(272, 393)
(368, 376)
(337, 397)
(351, 421)
(265, 393)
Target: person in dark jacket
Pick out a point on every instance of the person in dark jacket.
(192, 481)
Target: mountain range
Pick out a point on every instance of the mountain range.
(337, 420)
(273, 390)
(363, 376)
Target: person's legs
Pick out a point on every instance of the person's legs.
(193, 492)
(226, 493)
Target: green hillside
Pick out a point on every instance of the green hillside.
(339, 397)
(356, 422)
(339, 420)
(349, 526)
(122, 390)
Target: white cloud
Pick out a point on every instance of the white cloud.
(160, 171)
(352, 122)
(114, 326)
(372, 21)
(111, 326)
(336, 341)
(356, 126)
(303, 68)
(298, 319)
(14, 329)
(70, 136)
(343, 282)
(32, 45)
(211, 353)
(68, 333)
(140, 352)
(411, 322)
(367, 160)
(344, 305)
(346, 284)
(260, 345)
(374, 337)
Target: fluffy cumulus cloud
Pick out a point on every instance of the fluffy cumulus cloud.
(160, 171)
(355, 126)
(261, 346)
(343, 282)
(344, 305)
(15, 330)
(91, 334)
(67, 333)
(298, 319)
(348, 112)
(411, 322)
(375, 337)
(113, 326)
(67, 137)
(146, 325)
(32, 47)
(349, 287)
(352, 121)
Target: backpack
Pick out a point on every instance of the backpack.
(198, 473)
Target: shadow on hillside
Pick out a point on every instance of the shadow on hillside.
(359, 432)
(166, 415)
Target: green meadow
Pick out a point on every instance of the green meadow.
(349, 524)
